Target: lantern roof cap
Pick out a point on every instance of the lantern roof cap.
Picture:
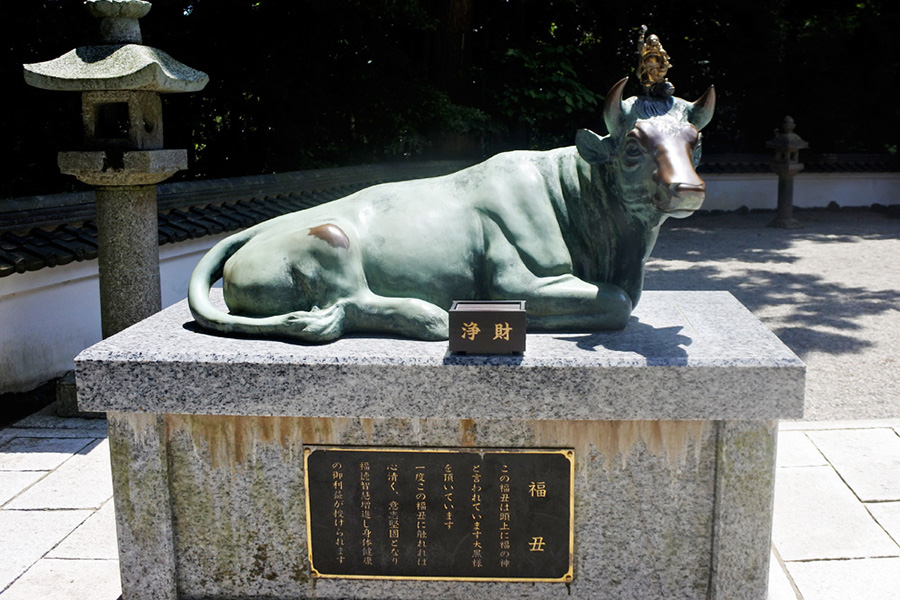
(118, 9)
(115, 67)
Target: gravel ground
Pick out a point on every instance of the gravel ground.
(830, 291)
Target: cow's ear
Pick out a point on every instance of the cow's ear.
(595, 149)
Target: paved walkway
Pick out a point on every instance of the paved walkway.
(829, 291)
(836, 534)
(57, 526)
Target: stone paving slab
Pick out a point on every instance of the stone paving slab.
(796, 450)
(14, 482)
(49, 432)
(84, 481)
(55, 579)
(868, 460)
(888, 516)
(94, 539)
(868, 579)
(27, 535)
(780, 587)
(39, 454)
(47, 418)
(818, 517)
(829, 425)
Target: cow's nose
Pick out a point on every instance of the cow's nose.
(681, 189)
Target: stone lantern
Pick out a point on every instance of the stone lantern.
(120, 82)
(787, 146)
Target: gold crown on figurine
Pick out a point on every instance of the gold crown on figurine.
(653, 65)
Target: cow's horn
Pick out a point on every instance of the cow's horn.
(702, 110)
(613, 113)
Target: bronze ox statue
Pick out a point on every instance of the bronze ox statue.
(566, 230)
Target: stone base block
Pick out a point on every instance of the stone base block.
(67, 399)
(672, 423)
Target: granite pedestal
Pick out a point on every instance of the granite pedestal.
(672, 422)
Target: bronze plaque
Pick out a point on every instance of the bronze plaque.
(445, 514)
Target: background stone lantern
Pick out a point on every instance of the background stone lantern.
(120, 82)
(787, 146)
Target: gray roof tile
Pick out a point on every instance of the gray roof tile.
(47, 231)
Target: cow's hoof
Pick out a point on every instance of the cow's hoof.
(317, 325)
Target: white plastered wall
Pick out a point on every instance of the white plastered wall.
(49, 316)
(811, 190)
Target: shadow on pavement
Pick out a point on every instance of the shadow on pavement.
(787, 278)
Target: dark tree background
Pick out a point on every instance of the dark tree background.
(303, 84)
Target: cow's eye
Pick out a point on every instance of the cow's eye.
(633, 151)
(696, 151)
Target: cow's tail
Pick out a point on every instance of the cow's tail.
(208, 271)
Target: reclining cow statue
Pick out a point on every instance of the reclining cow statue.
(566, 230)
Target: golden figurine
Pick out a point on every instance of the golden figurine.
(653, 66)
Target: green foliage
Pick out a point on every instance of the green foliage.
(542, 90)
(417, 128)
(298, 85)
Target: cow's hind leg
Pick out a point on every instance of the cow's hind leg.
(316, 325)
(310, 285)
(410, 317)
(362, 312)
(297, 284)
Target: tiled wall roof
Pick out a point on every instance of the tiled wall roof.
(46, 231)
(812, 163)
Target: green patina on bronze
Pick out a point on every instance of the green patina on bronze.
(567, 230)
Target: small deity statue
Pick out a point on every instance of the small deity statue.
(653, 66)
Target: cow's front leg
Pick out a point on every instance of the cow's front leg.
(556, 300)
(564, 302)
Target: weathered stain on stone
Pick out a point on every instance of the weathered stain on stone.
(314, 429)
(261, 564)
(367, 427)
(121, 451)
(143, 522)
(617, 439)
(325, 430)
(130, 436)
(332, 234)
(232, 441)
(745, 456)
(237, 489)
(467, 433)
